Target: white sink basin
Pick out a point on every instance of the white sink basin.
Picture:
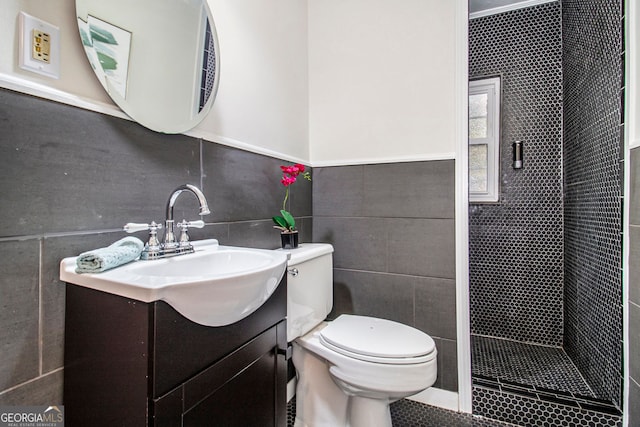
(215, 286)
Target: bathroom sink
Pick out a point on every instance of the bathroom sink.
(214, 286)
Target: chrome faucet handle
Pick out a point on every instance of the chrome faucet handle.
(190, 224)
(184, 226)
(132, 227)
(153, 243)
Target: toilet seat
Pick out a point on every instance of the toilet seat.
(377, 340)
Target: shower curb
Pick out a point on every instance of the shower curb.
(531, 407)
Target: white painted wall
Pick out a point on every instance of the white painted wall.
(262, 100)
(325, 81)
(263, 93)
(381, 80)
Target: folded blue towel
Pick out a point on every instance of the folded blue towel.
(121, 252)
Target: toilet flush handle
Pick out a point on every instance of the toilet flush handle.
(293, 271)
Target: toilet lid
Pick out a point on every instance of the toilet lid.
(372, 339)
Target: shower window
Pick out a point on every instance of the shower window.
(484, 139)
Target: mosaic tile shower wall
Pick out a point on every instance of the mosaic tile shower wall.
(516, 245)
(593, 63)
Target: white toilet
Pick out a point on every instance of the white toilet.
(349, 370)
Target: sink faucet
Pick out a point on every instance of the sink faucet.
(170, 247)
(169, 236)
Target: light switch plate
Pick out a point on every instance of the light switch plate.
(38, 37)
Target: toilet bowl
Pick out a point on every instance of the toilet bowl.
(350, 369)
(367, 381)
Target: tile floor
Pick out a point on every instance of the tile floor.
(526, 364)
(408, 413)
(533, 385)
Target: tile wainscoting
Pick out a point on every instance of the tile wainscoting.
(71, 187)
(393, 230)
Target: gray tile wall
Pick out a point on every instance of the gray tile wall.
(593, 58)
(392, 226)
(69, 180)
(634, 290)
(516, 245)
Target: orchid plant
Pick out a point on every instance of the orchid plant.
(285, 221)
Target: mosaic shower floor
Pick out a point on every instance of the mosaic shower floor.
(512, 362)
(533, 385)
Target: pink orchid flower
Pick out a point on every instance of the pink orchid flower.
(287, 180)
(286, 222)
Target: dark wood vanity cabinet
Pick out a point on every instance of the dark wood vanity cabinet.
(129, 363)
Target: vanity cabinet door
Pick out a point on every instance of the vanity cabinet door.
(106, 372)
(246, 400)
(246, 388)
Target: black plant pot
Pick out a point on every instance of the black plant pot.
(289, 240)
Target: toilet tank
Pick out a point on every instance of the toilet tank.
(309, 287)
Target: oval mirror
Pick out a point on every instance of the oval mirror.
(157, 59)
